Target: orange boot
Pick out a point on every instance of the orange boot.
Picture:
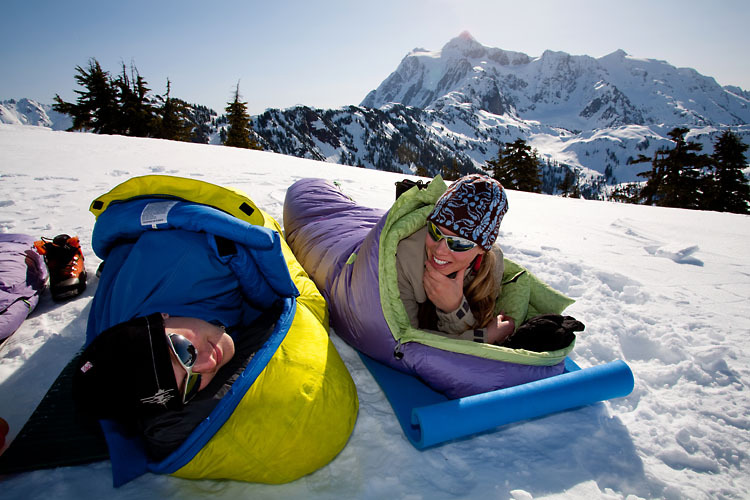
(65, 263)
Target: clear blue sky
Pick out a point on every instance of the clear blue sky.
(332, 53)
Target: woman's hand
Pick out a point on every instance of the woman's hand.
(500, 328)
(446, 293)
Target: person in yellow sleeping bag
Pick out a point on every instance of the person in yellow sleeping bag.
(207, 344)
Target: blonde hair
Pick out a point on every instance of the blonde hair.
(482, 291)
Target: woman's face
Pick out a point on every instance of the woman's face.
(443, 259)
(215, 348)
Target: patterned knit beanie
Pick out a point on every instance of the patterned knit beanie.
(473, 208)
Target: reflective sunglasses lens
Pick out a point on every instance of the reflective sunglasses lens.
(460, 244)
(454, 243)
(184, 349)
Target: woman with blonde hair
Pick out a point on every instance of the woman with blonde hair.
(450, 271)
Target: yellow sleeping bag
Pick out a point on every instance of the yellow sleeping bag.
(300, 410)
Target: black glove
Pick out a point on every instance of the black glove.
(548, 332)
(406, 184)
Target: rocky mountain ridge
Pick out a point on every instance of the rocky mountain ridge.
(560, 90)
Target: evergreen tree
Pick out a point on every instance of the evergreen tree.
(569, 185)
(728, 189)
(123, 106)
(684, 172)
(676, 178)
(517, 167)
(136, 111)
(238, 134)
(96, 108)
(626, 193)
(172, 122)
(654, 177)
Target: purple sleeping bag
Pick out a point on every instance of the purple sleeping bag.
(338, 243)
(23, 277)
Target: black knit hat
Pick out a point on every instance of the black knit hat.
(126, 372)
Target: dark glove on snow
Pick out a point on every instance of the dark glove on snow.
(406, 184)
(548, 332)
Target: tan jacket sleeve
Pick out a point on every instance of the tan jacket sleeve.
(459, 324)
(410, 256)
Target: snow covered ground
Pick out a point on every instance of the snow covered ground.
(666, 290)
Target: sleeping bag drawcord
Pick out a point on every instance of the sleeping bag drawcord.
(398, 353)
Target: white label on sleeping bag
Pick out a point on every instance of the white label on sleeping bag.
(156, 213)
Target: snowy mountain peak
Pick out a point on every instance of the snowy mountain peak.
(592, 114)
(465, 35)
(29, 112)
(559, 89)
(464, 44)
(617, 54)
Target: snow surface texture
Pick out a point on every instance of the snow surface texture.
(666, 290)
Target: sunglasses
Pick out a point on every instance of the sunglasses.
(186, 355)
(455, 243)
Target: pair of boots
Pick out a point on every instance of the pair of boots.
(64, 260)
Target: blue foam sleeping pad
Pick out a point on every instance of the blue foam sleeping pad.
(429, 418)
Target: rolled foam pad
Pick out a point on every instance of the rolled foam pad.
(429, 418)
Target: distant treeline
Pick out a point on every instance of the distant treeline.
(124, 105)
(683, 177)
(680, 177)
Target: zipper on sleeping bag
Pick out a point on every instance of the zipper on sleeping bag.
(398, 351)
